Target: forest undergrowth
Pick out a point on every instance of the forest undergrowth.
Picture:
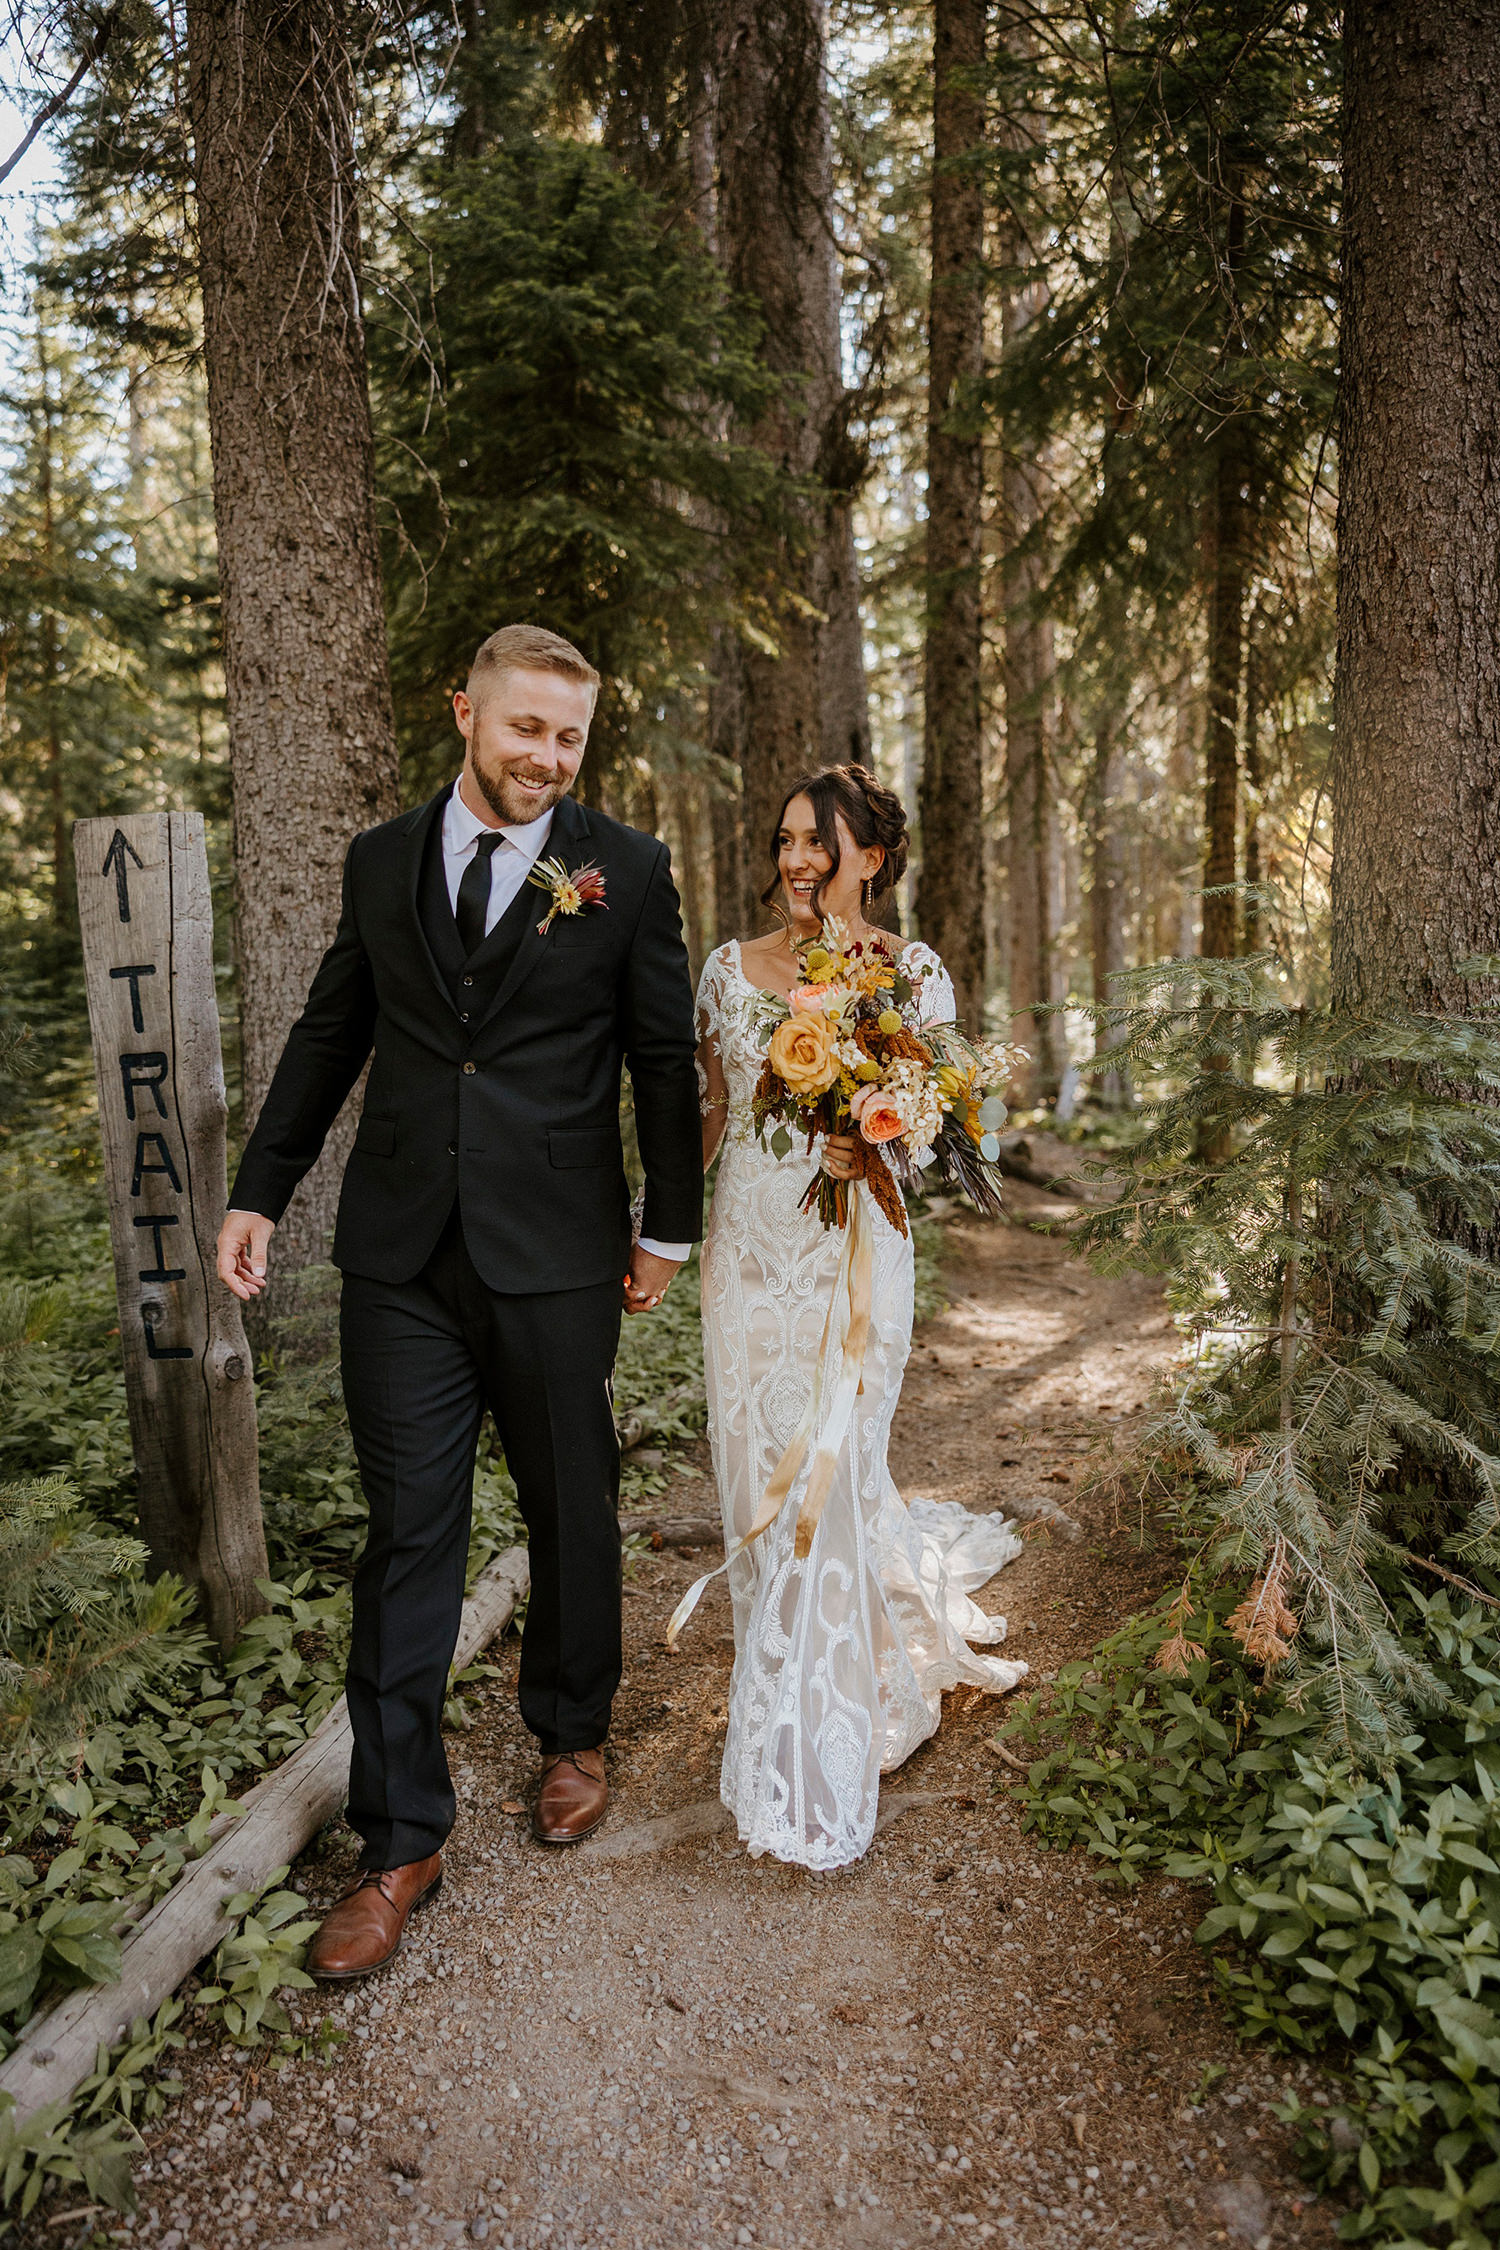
(124, 1733)
(1310, 1725)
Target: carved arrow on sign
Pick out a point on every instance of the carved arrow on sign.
(115, 858)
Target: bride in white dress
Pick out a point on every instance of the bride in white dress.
(841, 1659)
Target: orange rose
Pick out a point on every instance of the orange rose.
(879, 1119)
(803, 1056)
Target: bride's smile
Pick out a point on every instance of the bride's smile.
(823, 870)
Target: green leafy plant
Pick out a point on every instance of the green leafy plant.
(1356, 1914)
(1340, 1418)
(1323, 1749)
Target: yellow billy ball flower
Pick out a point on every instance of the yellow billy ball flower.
(888, 1021)
(867, 1070)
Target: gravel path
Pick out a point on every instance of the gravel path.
(653, 2041)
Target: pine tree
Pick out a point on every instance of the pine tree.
(551, 370)
(950, 896)
(1341, 1419)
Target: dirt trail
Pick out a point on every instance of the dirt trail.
(654, 2041)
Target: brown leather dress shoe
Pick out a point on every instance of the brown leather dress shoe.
(571, 1801)
(367, 1927)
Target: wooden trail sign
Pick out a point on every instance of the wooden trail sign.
(146, 916)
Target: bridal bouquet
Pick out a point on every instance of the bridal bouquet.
(846, 1053)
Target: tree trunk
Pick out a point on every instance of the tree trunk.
(1029, 791)
(1255, 923)
(62, 902)
(1106, 896)
(950, 897)
(737, 877)
(1225, 569)
(803, 706)
(312, 739)
(1416, 778)
(684, 807)
(1106, 859)
(1027, 677)
(1029, 776)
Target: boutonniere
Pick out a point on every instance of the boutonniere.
(570, 889)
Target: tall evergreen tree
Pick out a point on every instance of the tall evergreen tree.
(552, 366)
(950, 895)
(1416, 780)
(312, 737)
(798, 699)
(1031, 806)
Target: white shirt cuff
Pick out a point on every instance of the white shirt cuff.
(678, 1251)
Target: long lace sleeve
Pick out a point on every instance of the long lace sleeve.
(713, 1093)
(936, 1001)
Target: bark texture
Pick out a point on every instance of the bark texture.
(805, 705)
(312, 739)
(1106, 894)
(1416, 780)
(1255, 921)
(1029, 792)
(950, 895)
(1226, 565)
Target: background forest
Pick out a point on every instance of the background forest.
(983, 391)
(691, 424)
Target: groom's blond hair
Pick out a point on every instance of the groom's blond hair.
(526, 648)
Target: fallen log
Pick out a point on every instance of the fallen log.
(674, 1531)
(1034, 1508)
(281, 1815)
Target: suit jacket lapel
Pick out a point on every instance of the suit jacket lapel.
(418, 827)
(567, 840)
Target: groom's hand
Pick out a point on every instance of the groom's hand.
(244, 1239)
(648, 1280)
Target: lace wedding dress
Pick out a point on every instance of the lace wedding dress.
(841, 1660)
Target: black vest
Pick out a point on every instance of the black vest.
(472, 984)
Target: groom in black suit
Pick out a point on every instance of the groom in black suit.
(483, 1232)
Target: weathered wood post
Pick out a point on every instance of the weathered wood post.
(146, 917)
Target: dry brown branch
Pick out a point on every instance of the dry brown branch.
(64, 95)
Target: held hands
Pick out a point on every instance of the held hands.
(648, 1280)
(244, 1239)
(840, 1157)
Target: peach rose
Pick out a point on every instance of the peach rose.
(813, 1000)
(877, 1115)
(803, 1056)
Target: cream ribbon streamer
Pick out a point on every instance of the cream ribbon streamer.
(846, 1336)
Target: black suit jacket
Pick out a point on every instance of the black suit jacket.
(514, 1115)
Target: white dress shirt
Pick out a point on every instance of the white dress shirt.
(512, 863)
(509, 867)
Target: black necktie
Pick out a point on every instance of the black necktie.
(473, 906)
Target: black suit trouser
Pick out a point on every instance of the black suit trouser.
(421, 1361)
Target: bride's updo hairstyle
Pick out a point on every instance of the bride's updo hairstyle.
(872, 815)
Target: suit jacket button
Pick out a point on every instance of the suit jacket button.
(464, 1017)
(469, 1069)
(453, 1148)
(468, 980)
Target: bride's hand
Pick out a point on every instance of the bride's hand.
(840, 1155)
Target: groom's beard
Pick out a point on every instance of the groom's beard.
(512, 805)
